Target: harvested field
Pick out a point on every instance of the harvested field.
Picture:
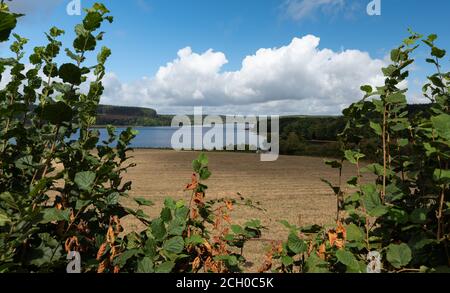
(288, 189)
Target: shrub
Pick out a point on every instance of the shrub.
(198, 237)
(403, 214)
(57, 193)
(60, 195)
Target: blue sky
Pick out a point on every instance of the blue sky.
(147, 34)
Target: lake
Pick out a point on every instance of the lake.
(161, 137)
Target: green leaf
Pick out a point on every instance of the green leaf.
(334, 164)
(347, 258)
(398, 255)
(255, 224)
(420, 241)
(316, 265)
(170, 203)
(287, 260)
(430, 150)
(50, 70)
(204, 173)
(311, 229)
(442, 125)
(166, 215)
(436, 80)
(194, 240)
(8, 22)
(378, 211)
(112, 199)
(367, 89)
(70, 73)
(182, 212)
(396, 98)
(389, 71)
(158, 229)
(174, 244)
(400, 127)
(9, 200)
(229, 238)
(176, 227)
(369, 188)
(432, 61)
(4, 219)
(123, 258)
(143, 201)
(145, 265)
(165, 267)
(375, 168)
(353, 157)
(288, 225)
(40, 186)
(85, 43)
(376, 127)
(53, 215)
(150, 247)
(237, 229)
(24, 162)
(402, 142)
(295, 244)
(230, 260)
(82, 203)
(352, 198)
(441, 176)
(57, 113)
(196, 166)
(395, 55)
(360, 269)
(85, 180)
(103, 55)
(353, 181)
(203, 159)
(336, 189)
(439, 53)
(92, 21)
(424, 269)
(133, 241)
(354, 233)
(49, 249)
(56, 32)
(431, 38)
(398, 215)
(419, 216)
(372, 201)
(100, 7)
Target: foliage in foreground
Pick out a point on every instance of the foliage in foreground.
(59, 194)
(56, 192)
(403, 213)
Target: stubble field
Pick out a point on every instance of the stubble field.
(288, 189)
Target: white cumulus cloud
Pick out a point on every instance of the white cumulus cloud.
(299, 78)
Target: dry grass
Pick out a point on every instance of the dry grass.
(289, 189)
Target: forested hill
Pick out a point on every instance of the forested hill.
(130, 116)
(299, 135)
(309, 127)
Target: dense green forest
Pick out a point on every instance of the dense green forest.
(318, 136)
(130, 116)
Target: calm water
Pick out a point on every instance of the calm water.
(160, 137)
